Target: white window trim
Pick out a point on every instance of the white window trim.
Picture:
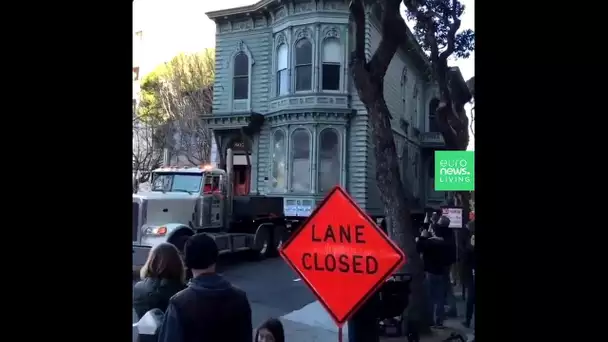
(293, 130)
(240, 47)
(341, 64)
(340, 155)
(276, 70)
(287, 159)
(279, 39)
(303, 34)
(404, 79)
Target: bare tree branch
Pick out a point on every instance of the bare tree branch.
(147, 153)
(186, 94)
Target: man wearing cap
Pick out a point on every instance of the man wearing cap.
(210, 308)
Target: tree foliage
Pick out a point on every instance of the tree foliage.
(437, 24)
(437, 30)
(471, 85)
(173, 98)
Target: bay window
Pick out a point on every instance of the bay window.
(331, 59)
(303, 65)
(282, 70)
(279, 153)
(329, 169)
(300, 160)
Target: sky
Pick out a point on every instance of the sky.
(174, 26)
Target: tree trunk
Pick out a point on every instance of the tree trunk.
(392, 193)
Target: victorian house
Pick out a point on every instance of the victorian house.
(282, 77)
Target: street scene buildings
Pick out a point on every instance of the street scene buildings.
(289, 63)
(278, 93)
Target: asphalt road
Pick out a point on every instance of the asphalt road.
(272, 287)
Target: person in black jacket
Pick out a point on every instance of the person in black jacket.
(162, 276)
(210, 308)
(470, 262)
(438, 253)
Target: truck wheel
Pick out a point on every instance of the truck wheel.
(280, 236)
(265, 245)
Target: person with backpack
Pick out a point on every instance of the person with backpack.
(438, 254)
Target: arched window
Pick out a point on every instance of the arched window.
(241, 77)
(433, 104)
(279, 163)
(282, 71)
(332, 57)
(415, 96)
(329, 160)
(300, 160)
(405, 163)
(303, 65)
(404, 90)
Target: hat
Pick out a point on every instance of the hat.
(200, 252)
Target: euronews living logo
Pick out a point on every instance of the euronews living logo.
(454, 170)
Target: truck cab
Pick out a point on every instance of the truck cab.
(185, 200)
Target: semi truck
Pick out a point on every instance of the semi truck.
(183, 201)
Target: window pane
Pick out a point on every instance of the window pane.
(282, 82)
(329, 160)
(332, 51)
(303, 52)
(304, 77)
(432, 108)
(331, 76)
(278, 181)
(241, 88)
(405, 166)
(282, 59)
(300, 159)
(241, 65)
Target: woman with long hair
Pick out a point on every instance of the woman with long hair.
(162, 276)
(270, 331)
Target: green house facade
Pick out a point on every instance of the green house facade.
(287, 62)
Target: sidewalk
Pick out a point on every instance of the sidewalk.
(300, 332)
(312, 323)
(451, 325)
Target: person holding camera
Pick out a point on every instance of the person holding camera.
(438, 254)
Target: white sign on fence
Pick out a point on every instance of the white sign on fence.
(455, 216)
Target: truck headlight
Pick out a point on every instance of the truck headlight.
(160, 231)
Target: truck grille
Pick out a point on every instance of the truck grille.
(135, 221)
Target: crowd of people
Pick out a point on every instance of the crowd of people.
(209, 307)
(449, 258)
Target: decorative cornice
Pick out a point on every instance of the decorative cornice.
(220, 122)
(261, 5)
(313, 100)
(303, 32)
(240, 47)
(309, 117)
(331, 32)
(280, 38)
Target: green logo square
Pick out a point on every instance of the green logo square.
(454, 170)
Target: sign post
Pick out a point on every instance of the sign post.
(341, 255)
